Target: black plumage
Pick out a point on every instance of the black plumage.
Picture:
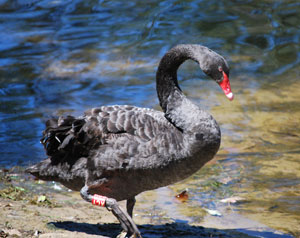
(121, 151)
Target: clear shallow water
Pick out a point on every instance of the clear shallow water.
(59, 57)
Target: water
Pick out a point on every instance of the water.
(60, 57)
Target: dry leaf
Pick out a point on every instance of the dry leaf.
(183, 196)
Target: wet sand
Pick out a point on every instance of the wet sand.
(30, 208)
(73, 217)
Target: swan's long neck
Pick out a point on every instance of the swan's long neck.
(178, 109)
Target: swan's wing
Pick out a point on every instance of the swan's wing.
(133, 137)
(142, 123)
(112, 137)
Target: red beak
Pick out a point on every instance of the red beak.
(225, 85)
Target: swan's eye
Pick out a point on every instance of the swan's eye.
(220, 69)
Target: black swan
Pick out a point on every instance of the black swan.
(113, 153)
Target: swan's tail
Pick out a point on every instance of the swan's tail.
(64, 139)
(44, 171)
(72, 177)
(66, 146)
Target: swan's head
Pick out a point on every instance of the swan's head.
(224, 82)
(216, 67)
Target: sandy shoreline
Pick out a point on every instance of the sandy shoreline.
(73, 217)
(31, 208)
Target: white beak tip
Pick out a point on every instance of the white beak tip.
(230, 96)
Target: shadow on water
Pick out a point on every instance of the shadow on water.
(166, 230)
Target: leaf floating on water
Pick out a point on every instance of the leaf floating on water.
(232, 199)
(213, 212)
(183, 196)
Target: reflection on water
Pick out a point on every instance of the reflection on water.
(59, 57)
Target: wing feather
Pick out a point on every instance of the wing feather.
(112, 135)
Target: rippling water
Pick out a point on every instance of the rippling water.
(59, 57)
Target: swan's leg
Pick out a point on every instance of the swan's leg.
(111, 204)
(129, 205)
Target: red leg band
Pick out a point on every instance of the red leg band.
(99, 200)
